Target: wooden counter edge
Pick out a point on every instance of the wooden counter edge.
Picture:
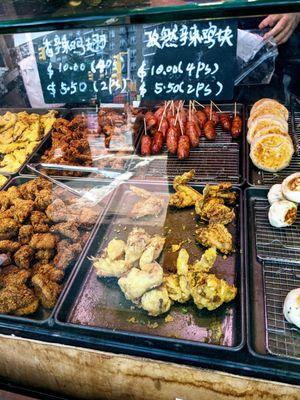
(91, 374)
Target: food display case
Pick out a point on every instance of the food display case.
(151, 169)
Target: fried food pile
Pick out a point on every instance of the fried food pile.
(86, 138)
(20, 133)
(214, 207)
(196, 283)
(3, 179)
(140, 277)
(43, 229)
(148, 205)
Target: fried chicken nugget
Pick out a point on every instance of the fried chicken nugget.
(25, 234)
(48, 270)
(18, 300)
(13, 276)
(24, 256)
(44, 256)
(39, 222)
(43, 199)
(8, 246)
(4, 201)
(8, 228)
(22, 210)
(46, 291)
(43, 241)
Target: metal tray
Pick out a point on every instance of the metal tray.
(270, 279)
(257, 177)
(94, 306)
(43, 316)
(70, 114)
(214, 161)
(61, 112)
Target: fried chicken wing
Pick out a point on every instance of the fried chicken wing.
(215, 235)
(8, 246)
(43, 241)
(206, 263)
(156, 301)
(46, 291)
(153, 250)
(184, 195)
(177, 284)
(24, 256)
(138, 281)
(8, 228)
(57, 211)
(210, 292)
(66, 229)
(221, 191)
(214, 210)
(19, 300)
(148, 205)
(25, 234)
(137, 241)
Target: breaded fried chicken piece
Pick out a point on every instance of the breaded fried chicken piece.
(214, 210)
(184, 195)
(13, 276)
(67, 229)
(156, 301)
(137, 241)
(39, 222)
(14, 194)
(18, 300)
(66, 253)
(43, 241)
(215, 235)
(44, 256)
(43, 199)
(8, 228)
(25, 233)
(4, 201)
(22, 210)
(46, 291)
(24, 256)
(49, 271)
(57, 211)
(8, 246)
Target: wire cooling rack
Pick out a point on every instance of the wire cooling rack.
(283, 338)
(275, 244)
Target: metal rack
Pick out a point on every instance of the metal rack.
(283, 338)
(273, 243)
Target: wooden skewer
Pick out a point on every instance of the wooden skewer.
(199, 104)
(162, 117)
(145, 127)
(180, 126)
(234, 109)
(173, 110)
(210, 114)
(216, 106)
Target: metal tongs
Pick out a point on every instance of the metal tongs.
(95, 195)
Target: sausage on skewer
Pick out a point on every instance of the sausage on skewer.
(172, 140)
(210, 130)
(202, 118)
(236, 127)
(183, 150)
(225, 122)
(192, 133)
(157, 144)
(146, 145)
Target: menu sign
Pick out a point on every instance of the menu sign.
(78, 66)
(189, 60)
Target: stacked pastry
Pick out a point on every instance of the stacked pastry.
(271, 145)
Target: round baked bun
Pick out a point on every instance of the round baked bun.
(282, 213)
(266, 121)
(265, 110)
(291, 307)
(265, 131)
(291, 187)
(272, 104)
(272, 152)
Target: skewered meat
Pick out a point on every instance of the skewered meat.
(236, 127)
(202, 118)
(183, 150)
(210, 130)
(211, 115)
(215, 235)
(172, 140)
(225, 121)
(192, 133)
(157, 142)
(146, 145)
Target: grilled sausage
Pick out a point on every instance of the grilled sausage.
(236, 127)
(210, 130)
(159, 112)
(192, 133)
(172, 140)
(225, 122)
(202, 118)
(151, 120)
(146, 144)
(164, 126)
(157, 143)
(183, 150)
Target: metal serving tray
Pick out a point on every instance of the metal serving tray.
(94, 307)
(257, 177)
(43, 316)
(213, 161)
(61, 112)
(273, 270)
(70, 114)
